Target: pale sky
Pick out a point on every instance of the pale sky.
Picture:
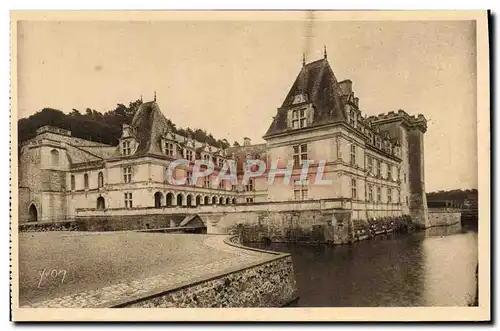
(228, 77)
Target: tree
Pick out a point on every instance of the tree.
(236, 144)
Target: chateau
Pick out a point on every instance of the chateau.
(376, 163)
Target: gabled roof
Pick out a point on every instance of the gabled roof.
(318, 83)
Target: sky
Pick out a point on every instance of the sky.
(229, 77)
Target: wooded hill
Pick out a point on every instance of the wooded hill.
(105, 128)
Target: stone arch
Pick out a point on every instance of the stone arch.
(189, 200)
(33, 213)
(198, 200)
(158, 199)
(206, 200)
(169, 198)
(214, 200)
(221, 200)
(54, 157)
(234, 201)
(180, 199)
(228, 201)
(101, 203)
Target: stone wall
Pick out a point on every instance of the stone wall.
(269, 284)
(444, 217)
(107, 223)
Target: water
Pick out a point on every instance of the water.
(435, 267)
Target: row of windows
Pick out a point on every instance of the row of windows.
(100, 181)
(377, 164)
(378, 198)
(127, 178)
(300, 154)
(375, 139)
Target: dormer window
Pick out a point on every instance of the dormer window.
(206, 158)
(126, 148)
(189, 155)
(169, 149)
(352, 118)
(221, 162)
(298, 118)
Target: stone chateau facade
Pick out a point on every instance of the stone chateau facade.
(376, 163)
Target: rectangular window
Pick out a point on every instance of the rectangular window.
(399, 196)
(369, 166)
(300, 191)
(249, 200)
(370, 193)
(206, 158)
(353, 154)
(221, 162)
(233, 187)
(249, 187)
(206, 182)
(298, 119)
(189, 177)
(389, 171)
(299, 154)
(72, 182)
(169, 149)
(379, 194)
(379, 168)
(221, 185)
(389, 195)
(354, 191)
(126, 150)
(128, 200)
(127, 174)
(189, 155)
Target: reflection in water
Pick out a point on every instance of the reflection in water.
(430, 268)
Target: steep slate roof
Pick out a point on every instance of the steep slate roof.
(317, 81)
(150, 124)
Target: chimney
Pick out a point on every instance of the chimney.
(346, 87)
(246, 141)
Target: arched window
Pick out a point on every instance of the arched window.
(170, 198)
(72, 182)
(86, 181)
(198, 200)
(221, 201)
(54, 157)
(189, 200)
(214, 200)
(206, 200)
(227, 201)
(101, 203)
(100, 180)
(33, 214)
(234, 201)
(179, 200)
(158, 199)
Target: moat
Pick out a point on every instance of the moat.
(435, 267)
